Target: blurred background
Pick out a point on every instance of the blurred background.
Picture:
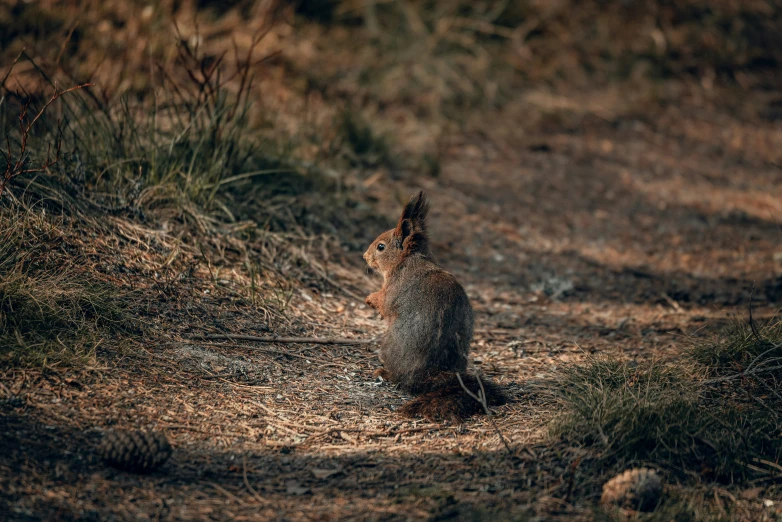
(250, 105)
(368, 90)
(392, 76)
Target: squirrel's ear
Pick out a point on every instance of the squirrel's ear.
(404, 228)
(416, 211)
(411, 229)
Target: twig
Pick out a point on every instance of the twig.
(10, 69)
(191, 428)
(247, 482)
(227, 493)
(288, 340)
(20, 165)
(671, 302)
(769, 463)
(751, 321)
(769, 473)
(370, 434)
(481, 398)
(263, 350)
(571, 477)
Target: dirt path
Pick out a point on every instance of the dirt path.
(622, 240)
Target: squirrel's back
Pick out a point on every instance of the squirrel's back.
(430, 323)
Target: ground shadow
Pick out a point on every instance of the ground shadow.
(55, 473)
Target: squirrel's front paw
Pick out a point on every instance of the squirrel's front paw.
(382, 373)
(372, 301)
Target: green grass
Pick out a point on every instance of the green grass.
(739, 350)
(200, 151)
(712, 415)
(172, 149)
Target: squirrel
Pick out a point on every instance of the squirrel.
(430, 322)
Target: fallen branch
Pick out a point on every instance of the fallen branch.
(286, 340)
(307, 358)
(481, 398)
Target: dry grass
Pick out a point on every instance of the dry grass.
(52, 311)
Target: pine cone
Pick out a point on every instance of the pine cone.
(136, 451)
(638, 488)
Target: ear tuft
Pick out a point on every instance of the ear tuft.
(411, 228)
(416, 210)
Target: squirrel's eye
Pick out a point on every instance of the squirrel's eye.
(381, 246)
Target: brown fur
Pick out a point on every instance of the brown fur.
(430, 320)
(447, 400)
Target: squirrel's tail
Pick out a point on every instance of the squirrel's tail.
(444, 398)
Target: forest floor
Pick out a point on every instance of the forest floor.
(602, 234)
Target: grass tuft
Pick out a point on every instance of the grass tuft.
(714, 415)
(739, 350)
(183, 145)
(629, 412)
(50, 310)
